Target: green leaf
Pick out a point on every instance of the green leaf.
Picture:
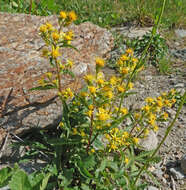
(98, 143)
(84, 172)
(20, 181)
(62, 141)
(5, 175)
(46, 87)
(85, 187)
(70, 46)
(67, 177)
(89, 161)
(35, 180)
(45, 181)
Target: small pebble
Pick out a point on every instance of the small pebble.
(176, 173)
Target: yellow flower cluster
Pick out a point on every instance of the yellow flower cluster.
(66, 94)
(117, 139)
(153, 112)
(127, 63)
(67, 17)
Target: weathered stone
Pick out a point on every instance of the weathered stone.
(176, 173)
(132, 32)
(183, 164)
(150, 142)
(151, 188)
(21, 66)
(181, 33)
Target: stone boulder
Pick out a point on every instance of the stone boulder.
(21, 66)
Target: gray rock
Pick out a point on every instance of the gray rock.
(183, 164)
(180, 33)
(176, 173)
(180, 85)
(181, 54)
(5, 188)
(132, 32)
(151, 188)
(150, 142)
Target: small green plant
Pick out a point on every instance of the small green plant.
(93, 147)
(157, 52)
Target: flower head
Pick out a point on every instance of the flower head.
(55, 52)
(100, 62)
(63, 15)
(72, 16)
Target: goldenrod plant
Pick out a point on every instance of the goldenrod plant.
(93, 147)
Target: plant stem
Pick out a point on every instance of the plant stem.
(58, 76)
(164, 138)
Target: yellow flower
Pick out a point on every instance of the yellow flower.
(155, 129)
(72, 15)
(83, 94)
(138, 128)
(146, 132)
(124, 57)
(130, 51)
(43, 28)
(137, 116)
(83, 134)
(126, 160)
(135, 140)
(146, 108)
(120, 89)
(134, 60)
(112, 147)
(100, 75)
(103, 116)
(49, 75)
(92, 150)
(61, 124)
(100, 62)
(165, 115)
(159, 103)
(164, 94)
(91, 107)
(113, 80)
(67, 37)
(167, 103)
(55, 36)
(119, 62)
(109, 94)
(125, 134)
(63, 15)
(75, 132)
(49, 26)
(89, 78)
(173, 101)
(70, 63)
(55, 82)
(149, 100)
(124, 111)
(172, 91)
(100, 81)
(67, 93)
(92, 89)
(124, 70)
(130, 85)
(55, 52)
(89, 113)
(98, 127)
(41, 82)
